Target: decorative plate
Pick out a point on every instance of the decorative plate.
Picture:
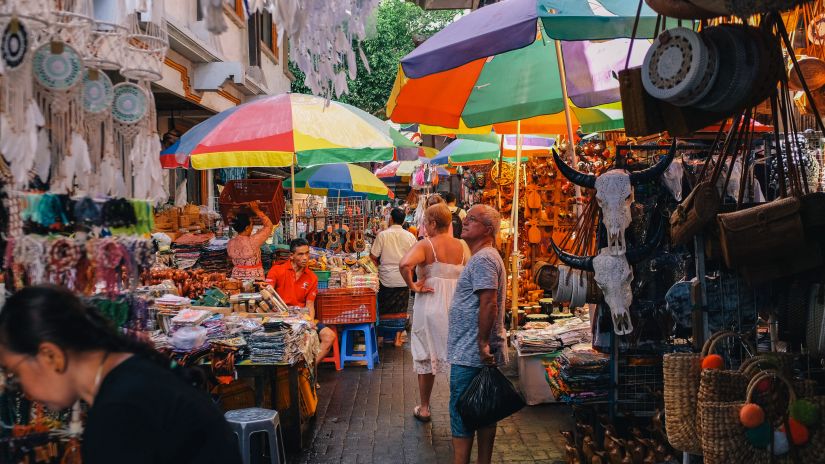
(131, 104)
(98, 94)
(675, 64)
(15, 44)
(57, 71)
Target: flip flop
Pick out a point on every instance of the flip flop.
(419, 417)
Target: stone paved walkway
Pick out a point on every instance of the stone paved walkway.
(366, 417)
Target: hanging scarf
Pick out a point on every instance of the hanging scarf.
(30, 253)
(64, 258)
(110, 258)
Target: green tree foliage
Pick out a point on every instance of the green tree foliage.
(398, 24)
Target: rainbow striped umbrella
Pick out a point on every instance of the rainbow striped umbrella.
(340, 180)
(273, 131)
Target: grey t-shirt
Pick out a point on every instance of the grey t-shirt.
(484, 271)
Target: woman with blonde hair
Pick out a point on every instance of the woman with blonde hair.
(439, 259)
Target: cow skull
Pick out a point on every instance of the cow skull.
(614, 192)
(613, 276)
(615, 195)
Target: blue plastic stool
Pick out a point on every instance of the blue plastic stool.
(348, 353)
(389, 326)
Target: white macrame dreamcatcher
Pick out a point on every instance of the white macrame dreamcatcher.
(130, 111)
(20, 118)
(98, 96)
(147, 172)
(58, 72)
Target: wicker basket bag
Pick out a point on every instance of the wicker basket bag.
(682, 374)
(718, 385)
(724, 437)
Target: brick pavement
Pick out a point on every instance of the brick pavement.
(366, 417)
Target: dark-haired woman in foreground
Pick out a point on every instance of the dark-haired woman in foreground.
(59, 350)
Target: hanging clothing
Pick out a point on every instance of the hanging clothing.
(245, 253)
(431, 315)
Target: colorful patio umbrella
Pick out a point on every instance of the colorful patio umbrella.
(340, 180)
(512, 24)
(519, 84)
(278, 130)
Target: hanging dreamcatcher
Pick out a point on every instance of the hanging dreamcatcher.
(20, 117)
(98, 97)
(130, 109)
(58, 71)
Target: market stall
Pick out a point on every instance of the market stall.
(646, 231)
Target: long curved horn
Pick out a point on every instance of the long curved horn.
(578, 178)
(639, 254)
(585, 263)
(655, 171)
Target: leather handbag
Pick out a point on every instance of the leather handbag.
(694, 213)
(641, 111)
(756, 235)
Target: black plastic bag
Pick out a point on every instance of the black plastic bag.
(489, 398)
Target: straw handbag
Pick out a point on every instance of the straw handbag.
(724, 437)
(682, 375)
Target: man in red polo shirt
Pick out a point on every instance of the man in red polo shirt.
(298, 286)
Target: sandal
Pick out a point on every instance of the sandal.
(419, 417)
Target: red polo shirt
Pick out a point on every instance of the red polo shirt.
(294, 292)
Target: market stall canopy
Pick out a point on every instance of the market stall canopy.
(275, 130)
(340, 180)
(518, 84)
(399, 168)
(512, 24)
(462, 152)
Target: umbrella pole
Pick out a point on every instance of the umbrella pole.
(293, 226)
(514, 226)
(500, 160)
(568, 121)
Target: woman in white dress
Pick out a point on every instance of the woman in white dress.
(440, 259)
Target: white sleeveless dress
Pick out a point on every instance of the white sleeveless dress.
(431, 315)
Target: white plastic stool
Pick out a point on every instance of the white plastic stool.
(245, 422)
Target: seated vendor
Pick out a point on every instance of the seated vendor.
(245, 249)
(298, 286)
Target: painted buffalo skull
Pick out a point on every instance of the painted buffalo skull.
(613, 273)
(614, 192)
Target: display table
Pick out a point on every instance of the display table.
(533, 379)
(296, 427)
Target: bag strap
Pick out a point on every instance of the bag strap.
(633, 35)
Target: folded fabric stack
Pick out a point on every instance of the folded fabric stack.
(187, 249)
(268, 347)
(213, 256)
(171, 305)
(191, 317)
(562, 334)
(580, 376)
(215, 328)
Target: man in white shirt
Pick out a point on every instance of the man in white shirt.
(387, 250)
